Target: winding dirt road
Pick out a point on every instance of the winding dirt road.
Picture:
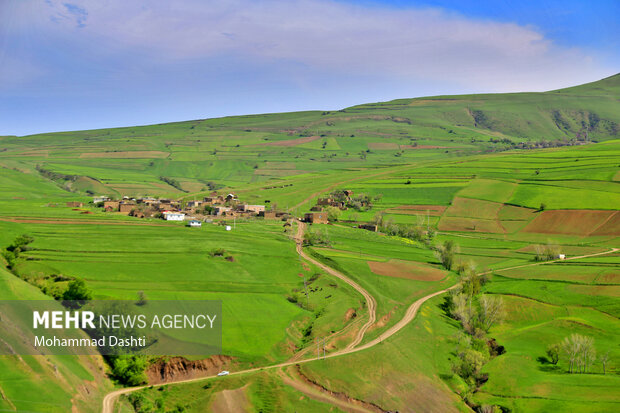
(371, 304)
(110, 398)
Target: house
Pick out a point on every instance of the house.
(75, 204)
(194, 204)
(231, 197)
(194, 223)
(220, 210)
(316, 217)
(125, 207)
(213, 200)
(316, 208)
(256, 209)
(324, 201)
(348, 193)
(111, 205)
(562, 256)
(369, 227)
(98, 199)
(267, 214)
(173, 216)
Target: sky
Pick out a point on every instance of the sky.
(86, 64)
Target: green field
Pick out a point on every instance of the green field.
(502, 176)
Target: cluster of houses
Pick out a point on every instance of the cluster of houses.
(214, 205)
(318, 215)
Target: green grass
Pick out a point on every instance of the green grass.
(441, 151)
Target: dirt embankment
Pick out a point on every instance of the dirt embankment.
(180, 368)
(360, 404)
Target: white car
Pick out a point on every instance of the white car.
(223, 373)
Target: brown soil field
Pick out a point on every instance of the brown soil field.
(610, 227)
(576, 222)
(126, 154)
(290, 142)
(469, 225)
(382, 145)
(406, 269)
(433, 210)
(422, 147)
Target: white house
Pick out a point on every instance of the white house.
(562, 256)
(195, 224)
(97, 199)
(228, 228)
(173, 216)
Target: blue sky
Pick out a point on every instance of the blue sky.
(82, 64)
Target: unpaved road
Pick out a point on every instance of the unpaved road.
(371, 304)
(110, 398)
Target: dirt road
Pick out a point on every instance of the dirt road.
(110, 398)
(371, 304)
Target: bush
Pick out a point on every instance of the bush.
(553, 352)
(317, 238)
(77, 291)
(128, 370)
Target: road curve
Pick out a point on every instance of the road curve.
(371, 303)
(110, 398)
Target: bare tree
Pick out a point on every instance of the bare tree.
(572, 347)
(491, 311)
(580, 352)
(463, 311)
(588, 352)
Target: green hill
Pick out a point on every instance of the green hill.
(502, 176)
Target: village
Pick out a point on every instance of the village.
(219, 206)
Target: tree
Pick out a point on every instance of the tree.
(542, 206)
(553, 351)
(141, 298)
(580, 352)
(77, 291)
(332, 213)
(604, 358)
(491, 311)
(571, 346)
(471, 361)
(445, 253)
(378, 219)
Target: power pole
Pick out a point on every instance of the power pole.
(318, 353)
(323, 348)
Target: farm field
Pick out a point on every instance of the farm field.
(539, 226)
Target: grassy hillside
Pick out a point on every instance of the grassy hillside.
(501, 176)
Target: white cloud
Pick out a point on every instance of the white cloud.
(412, 45)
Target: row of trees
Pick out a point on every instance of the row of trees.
(416, 233)
(546, 252)
(477, 313)
(579, 351)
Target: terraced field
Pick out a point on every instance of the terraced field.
(454, 170)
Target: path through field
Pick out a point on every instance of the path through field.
(110, 398)
(371, 303)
